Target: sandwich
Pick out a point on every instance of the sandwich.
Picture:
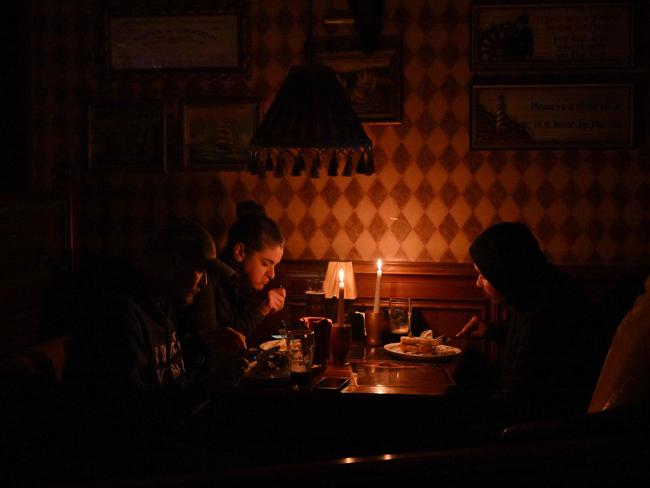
(418, 345)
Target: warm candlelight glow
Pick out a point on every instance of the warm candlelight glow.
(379, 264)
(341, 275)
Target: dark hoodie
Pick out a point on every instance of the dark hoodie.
(552, 350)
(228, 300)
(129, 362)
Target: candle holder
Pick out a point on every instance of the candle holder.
(339, 283)
(340, 344)
(374, 324)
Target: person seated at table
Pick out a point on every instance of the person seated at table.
(236, 296)
(130, 363)
(552, 344)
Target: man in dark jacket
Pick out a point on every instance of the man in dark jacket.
(130, 363)
(551, 344)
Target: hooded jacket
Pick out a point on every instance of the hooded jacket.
(227, 301)
(129, 362)
(552, 341)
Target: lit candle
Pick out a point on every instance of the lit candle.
(340, 318)
(375, 307)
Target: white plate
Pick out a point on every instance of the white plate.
(265, 346)
(442, 352)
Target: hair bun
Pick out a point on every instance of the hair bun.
(249, 209)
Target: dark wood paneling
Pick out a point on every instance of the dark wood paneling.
(33, 249)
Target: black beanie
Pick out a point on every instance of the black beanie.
(508, 256)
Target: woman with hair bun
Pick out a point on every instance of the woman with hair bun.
(235, 300)
(254, 247)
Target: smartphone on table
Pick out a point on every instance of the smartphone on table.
(331, 383)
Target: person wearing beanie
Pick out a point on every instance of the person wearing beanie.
(551, 345)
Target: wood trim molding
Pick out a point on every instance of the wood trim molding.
(452, 279)
(446, 292)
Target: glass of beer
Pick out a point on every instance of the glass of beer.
(300, 347)
(340, 343)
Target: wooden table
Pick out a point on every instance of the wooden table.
(391, 405)
(374, 371)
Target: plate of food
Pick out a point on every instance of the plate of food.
(281, 344)
(270, 365)
(422, 349)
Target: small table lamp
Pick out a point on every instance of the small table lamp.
(331, 281)
(339, 282)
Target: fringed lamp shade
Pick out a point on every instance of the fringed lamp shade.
(311, 126)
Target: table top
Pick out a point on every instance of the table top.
(373, 370)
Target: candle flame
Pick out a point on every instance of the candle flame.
(379, 264)
(341, 275)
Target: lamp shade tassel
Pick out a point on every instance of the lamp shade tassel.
(370, 163)
(279, 168)
(315, 167)
(333, 168)
(269, 163)
(361, 165)
(298, 165)
(347, 170)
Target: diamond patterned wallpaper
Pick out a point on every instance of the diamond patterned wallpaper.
(430, 197)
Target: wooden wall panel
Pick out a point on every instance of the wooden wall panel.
(34, 246)
(445, 295)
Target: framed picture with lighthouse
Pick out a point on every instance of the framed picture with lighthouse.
(217, 133)
(553, 116)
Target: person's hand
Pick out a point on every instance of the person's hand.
(226, 342)
(474, 328)
(274, 301)
(224, 373)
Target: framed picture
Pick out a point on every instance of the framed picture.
(217, 40)
(559, 35)
(552, 116)
(373, 81)
(217, 133)
(127, 136)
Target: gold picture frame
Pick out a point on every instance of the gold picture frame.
(373, 81)
(211, 37)
(552, 36)
(217, 133)
(530, 116)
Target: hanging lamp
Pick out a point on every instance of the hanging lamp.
(311, 126)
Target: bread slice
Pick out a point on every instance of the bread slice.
(419, 345)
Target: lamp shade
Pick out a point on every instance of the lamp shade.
(331, 281)
(311, 123)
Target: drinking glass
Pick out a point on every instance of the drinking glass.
(399, 314)
(300, 347)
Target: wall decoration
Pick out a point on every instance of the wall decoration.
(551, 116)
(217, 133)
(217, 40)
(373, 81)
(127, 137)
(546, 36)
